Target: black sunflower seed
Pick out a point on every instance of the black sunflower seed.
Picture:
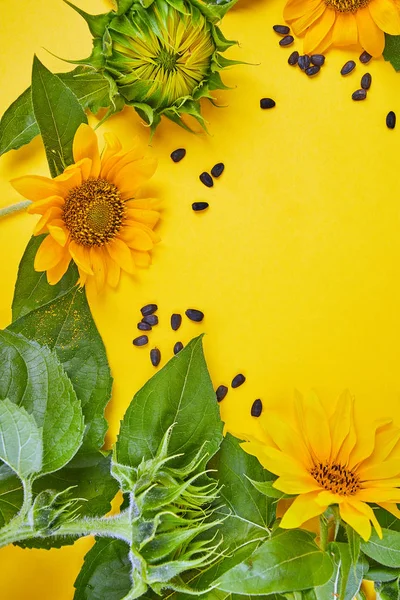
(178, 347)
(199, 206)
(359, 94)
(286, 41)
(365, 57)
(317, 59)
(217, 169)
(155, 357)
(311, 71)
(176, 320)
(178, 154)
(206, 179)
(194, 315)
(391, 120)
(238, 380)
(304, 62)
(348, 67)
(293, 58)
(150, 320)
(221, 392)
(366, 81)
(267, 103)
(144, 326)
(281, 29)
(142, 340)
(149, 309)
(256, 408)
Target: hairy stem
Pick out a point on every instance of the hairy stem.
(323, 532)
(9, 210)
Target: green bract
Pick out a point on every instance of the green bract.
(160, 56)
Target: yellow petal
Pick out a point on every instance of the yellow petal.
(52, 213)
(301, 24)
(120, 160)
(282, 464)
(379, 495)
(83, 277)
(294, 9)
(119, 251)
(133, 175)
(85, 167)
(36, 187)
(85, 146)
(39, 207)
(148, 217)
(316, 34)
(366, 510)
(54, 275)
(298, 485)
(72, 176)
(98, 267)
(358, 521)
(326, 498)
(58, 231)
(141, 259)
(81, 257)
(340, 422)
(49, 254)
(145, 203)
(349, 442)
(113, 145)
(370, 35)
(135, 238)
(386, 15)
(345, 32)
(391, 508)
(113, 270)
(288, 440)
(389, 468)
(387, 439)
(316, 426)
(303, 508)
(364, 446)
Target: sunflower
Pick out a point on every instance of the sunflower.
(343, 23)
(329, 459)
(90, 212)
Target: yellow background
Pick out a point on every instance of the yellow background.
(295, 264)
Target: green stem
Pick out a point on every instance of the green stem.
(323, 532)
(9, 210)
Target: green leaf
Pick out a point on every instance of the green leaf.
(289, 561)
(105, 572)
(58, 115)
(389, 591)
(385, 551)
(20, 440)
(386, 519)
(346, 578)
(11, 494)
(380, 573)
(354, 541)
(91, 88)
(181, 393)
(32, 377)
(267, 489)
(18, 125)
(392, 50)
(123, 6)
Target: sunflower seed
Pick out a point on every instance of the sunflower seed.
(256, 408)
(317, 59)
(142, 340)
(221, 392)
(391, 120)
(293, 58)
(194, 315)
(311, 71)
(199, 206)
(155, 357)
(348, 67)
(206, 179)
(281, 29)
(150, 320)
(359, 94)
(178, 347)
(267, 103)
(366, 81)
(217, 169)
(365, 57)
(178, 154)
(304, 62)
(238, 380)
(286, 41)
(176, 320)
(149, 309)
(144, 326)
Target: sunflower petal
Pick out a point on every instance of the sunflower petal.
(316, 426)
(135, 238)
(320, 29)
(132, 176)
(340, 422)
(288, 440)
(365, 445)
(301, 24)
(113, 145)
(298, 485)
(49, 254)
(58, 231)
(119, 251)
(81, 257)
(98, 267)
(148, 217)
(141, 259)
(391, 508)
(85, 146)
(55, 274)
(386, 15)
(113, 271)
(358, 521)
(295, 9)
(145, 203)
(36, 187)
(389, 468)
(303, 508)
(52, 213)
(39, 207)
(370, 35)
(345, 32)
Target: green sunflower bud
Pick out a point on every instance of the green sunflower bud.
(160, 56)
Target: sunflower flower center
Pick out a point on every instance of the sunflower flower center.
(336, 478)
(348, 6)
(93, 212)
(167, 59)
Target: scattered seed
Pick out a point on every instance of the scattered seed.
(194, 315)
(150, 320)
(281, 29)
(178, 154)
(144, 326)
(206, 179)
(155, 357)
(391, 120)
(304, 62)
(293, 58)
(348, 67)
(217, 169)
(311, 71)
(178, 347)
(221, 392)
(366, 81)
(256, 408)
(267, 103)
(365, 57)
(286, 41)
(176, 320)
(317, 59)
(142, 340)
(199, 206)
(359, 94)
(149, 309)
(238, 380)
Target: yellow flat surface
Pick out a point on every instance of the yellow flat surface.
(295, 264)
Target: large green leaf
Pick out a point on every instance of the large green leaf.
(392, 50)
(58, 115)
(289, 561)
(346, 578)
(389, 591)
(380, 573)
(32, 377)
(11, 494)
(385, 551)
(18, 125)
(181, 394)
